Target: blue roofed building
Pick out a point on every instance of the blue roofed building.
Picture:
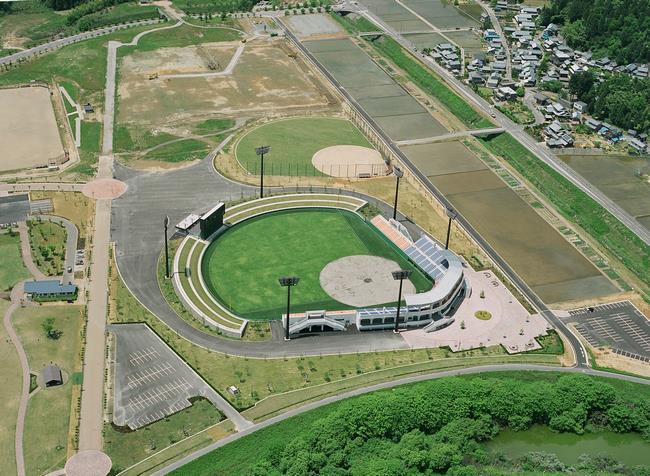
(50, 290)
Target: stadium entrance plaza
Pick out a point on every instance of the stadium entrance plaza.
(511, 325)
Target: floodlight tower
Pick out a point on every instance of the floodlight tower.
(400, 276)
(399, 174)
(166, 224)
(260, 151)
(452, 215)
(288, 282)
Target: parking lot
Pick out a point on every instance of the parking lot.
(151, 381)
(619, 325)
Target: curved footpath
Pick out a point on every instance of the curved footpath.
(381, 386)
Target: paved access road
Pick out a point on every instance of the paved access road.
(515, 130)
(68, 40)
(382, 386)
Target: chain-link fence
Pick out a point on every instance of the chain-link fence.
(308, 170)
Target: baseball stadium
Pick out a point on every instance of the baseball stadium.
(227, 267)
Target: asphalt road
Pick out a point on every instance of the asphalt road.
(579, 351)
(382, 386)
(517, 131)
(68, 40)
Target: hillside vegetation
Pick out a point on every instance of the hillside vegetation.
(439, 427)
(619, 29)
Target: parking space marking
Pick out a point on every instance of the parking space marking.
(140, 357)
(150, 374)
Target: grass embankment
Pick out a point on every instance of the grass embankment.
(294, 142)
(576, 206)
(126, 447)
(47, 241)
(239, 457)
(243, 270)
(12, 268)
(48, 450)
(355, 25)
(430, 83)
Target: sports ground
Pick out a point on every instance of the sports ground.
(294, 142)
(243, 265)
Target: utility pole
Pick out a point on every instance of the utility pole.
(400, 276)
(166, 224)
(399, 174)
(260, 151)
(288, 282)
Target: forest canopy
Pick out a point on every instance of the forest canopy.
(438, 427)
(619, 29)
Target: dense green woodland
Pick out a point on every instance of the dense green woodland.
(619, 98)
(437, 427)
(619, 29)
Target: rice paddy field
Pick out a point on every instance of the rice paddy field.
(621, 178)
(555, 270)
(242, 266)
(397, 113)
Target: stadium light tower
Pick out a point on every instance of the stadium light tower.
(260, 151)
(288, 282)
(400, 276)
(399, 174)
(451, 214)
(166, 224)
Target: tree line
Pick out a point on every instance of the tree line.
(619, 29)
(619, 98)
(438, 427)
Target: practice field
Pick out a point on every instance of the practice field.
(241, 267)
(294, 142)
(28, 131)
(266, 77)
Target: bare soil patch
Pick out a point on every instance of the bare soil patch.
(362, 280)
(349, 161)
(28, 130)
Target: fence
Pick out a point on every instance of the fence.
(308, 170)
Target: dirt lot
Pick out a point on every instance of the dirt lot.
(28, 129)
(267, 78)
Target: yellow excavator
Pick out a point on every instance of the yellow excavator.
(153, 76)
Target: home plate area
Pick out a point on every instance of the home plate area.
(151, 381)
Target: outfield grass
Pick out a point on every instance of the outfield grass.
(47, 450)
(243, 265)
(126, 448)
(294, 142)
(12, 268)
(47, 241)
(576, 206)
(430, 83)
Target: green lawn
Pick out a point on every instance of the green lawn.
(12, 268)
(184, 35)
(181, 151)
(47, 241)
(10, 391)
(133, 138)
(576, 206)
(47, 450)
(242, 266)
(128, 447)
(294, 142)
(357, 25)
(431, 84)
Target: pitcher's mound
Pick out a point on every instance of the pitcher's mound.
(349, 161)
(362, 280)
